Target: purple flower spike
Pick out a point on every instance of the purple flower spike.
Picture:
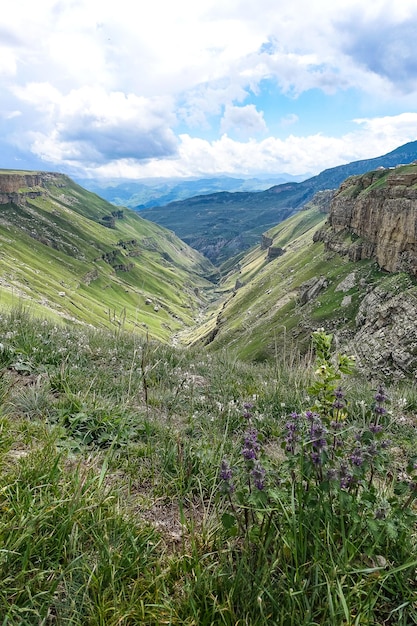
(258, 474)
(251, 445)
(380, 395)
(375, 428)
(226, 476)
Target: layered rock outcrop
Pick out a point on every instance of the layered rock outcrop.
(16, 186)
(375, 216)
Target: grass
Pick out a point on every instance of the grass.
(112, 509)
(56, 254)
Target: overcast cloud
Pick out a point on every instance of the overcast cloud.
(98, 88)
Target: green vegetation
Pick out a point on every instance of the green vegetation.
(222, 225)
(144, 484)
(60, 253)
(256, 479)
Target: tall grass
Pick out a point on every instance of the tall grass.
(144, 484)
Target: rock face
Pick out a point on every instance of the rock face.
(379, 212)
(310, 289)
(374, 216)
(385, 341)
(15, 186)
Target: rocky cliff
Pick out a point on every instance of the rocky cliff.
(15, 186)
(375, 216)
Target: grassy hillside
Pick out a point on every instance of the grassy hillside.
(260, 313)
(221, 225)
(71, 254)
(143, 484)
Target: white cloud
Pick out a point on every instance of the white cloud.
(90, 125)
(244, 121)
(97, 84)
(293, 155)
(289, 119)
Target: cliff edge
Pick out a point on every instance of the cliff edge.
(375, 216)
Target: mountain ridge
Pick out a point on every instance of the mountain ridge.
(352, 272)
(221, 225)
(73, 255)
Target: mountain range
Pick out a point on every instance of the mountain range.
(343, 259)
(222, 225)
(148, 193)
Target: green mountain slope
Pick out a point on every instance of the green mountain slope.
(71, 254)
(262, 311)
(221, 225)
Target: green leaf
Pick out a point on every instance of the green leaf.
(228, 521)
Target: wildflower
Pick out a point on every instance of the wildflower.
(258, 474)
(251, 445)
(380, 398)
(318, 435)
(375, 428)
(315, 457)
(345, 477)
(322, 370)
(292, 432)
(356, 458)
(226, 475)
(380, 395)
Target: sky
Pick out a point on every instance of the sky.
(193, 88)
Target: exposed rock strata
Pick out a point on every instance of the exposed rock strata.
(17, 186)
(375, 216)
(385, 341)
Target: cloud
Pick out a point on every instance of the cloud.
(98, 86)
(289, 119)
(92, 126)
(293, 155)
(244, 121)
(385, 49)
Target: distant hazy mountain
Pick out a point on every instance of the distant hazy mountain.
(221, 225)
(143, 194)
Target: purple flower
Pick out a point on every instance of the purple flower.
(346, 481)
(380, 398)
(318, 434)
(315, 457)
(380, 395)
(375, 428)
(226, 476)
(225, 471)
(247, 414)
(251, 445)
(292, 430)
(258, 474)
(356, 458)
